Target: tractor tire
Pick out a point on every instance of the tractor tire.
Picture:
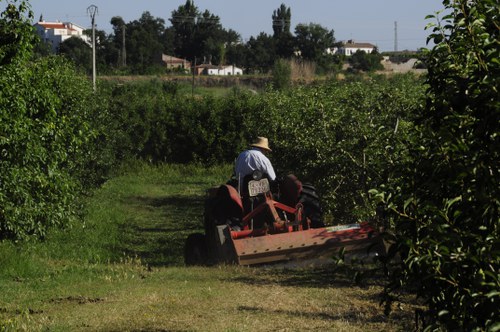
(195, 250)
(312, 206)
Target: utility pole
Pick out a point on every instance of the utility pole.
(192, 84)
(92, 11)
(395, 36)
(124, 51)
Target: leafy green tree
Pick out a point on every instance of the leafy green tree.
(232, 49)
(117, 55)
(312, 42)
(78, 51)
(144, 46)
(362, 61)
(282, 20)
(446, 213)
(282, 74)
(261, 53)
(199, 34)
(168, 40)
(41, 49)
(281, 26)
(237, 54)
(183, 22)
(209, 37)
(16, 37)
(45, 132)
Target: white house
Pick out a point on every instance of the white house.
(350, 47)
(54, 33)
(218, 70)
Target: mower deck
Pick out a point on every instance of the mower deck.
(311, 243)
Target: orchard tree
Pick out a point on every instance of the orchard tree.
(446, 211)
(16, 39)
(46, 132)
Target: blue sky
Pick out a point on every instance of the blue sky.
(362, 20)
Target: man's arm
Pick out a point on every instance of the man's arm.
(269, 169)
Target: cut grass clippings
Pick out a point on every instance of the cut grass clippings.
(122, 270)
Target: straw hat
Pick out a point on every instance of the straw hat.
(262, 143)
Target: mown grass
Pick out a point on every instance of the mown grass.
(121, 270)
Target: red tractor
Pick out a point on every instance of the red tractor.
(251, 223)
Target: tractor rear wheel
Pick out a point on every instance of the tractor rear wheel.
(195, 250)
(312, 206)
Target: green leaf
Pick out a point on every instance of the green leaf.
(493, 294)
(443, 313)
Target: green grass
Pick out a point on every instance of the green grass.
(200, 91)
(121, 270)
(185, 87)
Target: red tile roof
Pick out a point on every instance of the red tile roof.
(52, 25)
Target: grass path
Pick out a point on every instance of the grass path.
(123, 271)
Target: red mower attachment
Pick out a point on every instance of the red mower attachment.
(252, 227)
(305, 244)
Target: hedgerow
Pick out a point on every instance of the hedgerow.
(45, 133)
(445, 215)
(345, 137)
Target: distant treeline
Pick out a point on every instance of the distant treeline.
(136, 47)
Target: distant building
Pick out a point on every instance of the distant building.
(207, 69)
(350, 47)
(175, 63)
(54, 33)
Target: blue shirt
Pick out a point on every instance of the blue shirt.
(251, 160)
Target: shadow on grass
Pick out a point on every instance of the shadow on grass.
(353, 316)
(185, 201)
(326, 277)
(158, 226)
(317, 277)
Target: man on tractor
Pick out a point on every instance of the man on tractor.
(255, 159)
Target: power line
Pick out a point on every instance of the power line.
(194, 19)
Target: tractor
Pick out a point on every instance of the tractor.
(258, 221)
